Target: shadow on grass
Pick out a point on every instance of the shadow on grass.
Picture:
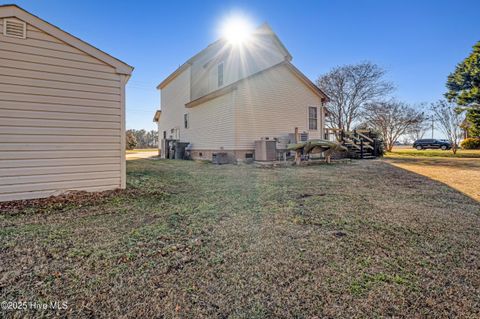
(461, 176)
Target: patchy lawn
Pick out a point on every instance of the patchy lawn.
(193, 240)
(461, 173)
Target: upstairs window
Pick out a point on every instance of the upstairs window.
(185, 120)
(312, 118)
(220, 74)
(14, 28)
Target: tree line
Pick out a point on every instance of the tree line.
(141, 139)
(361, 97)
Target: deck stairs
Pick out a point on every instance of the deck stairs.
(360, 144)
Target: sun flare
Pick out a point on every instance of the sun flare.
(236, 30)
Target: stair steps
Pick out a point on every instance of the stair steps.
(360, 145)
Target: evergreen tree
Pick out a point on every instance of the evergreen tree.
(464, 88)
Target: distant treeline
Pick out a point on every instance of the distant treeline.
(141, 139)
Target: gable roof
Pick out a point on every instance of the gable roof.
(263, 29)
(12, 10)
(312, 86)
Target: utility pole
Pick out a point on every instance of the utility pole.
(433, 125)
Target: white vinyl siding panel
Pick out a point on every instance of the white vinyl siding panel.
(272, 104)
(237, 64)
(60, 118)
(173, 99)
(211, 125)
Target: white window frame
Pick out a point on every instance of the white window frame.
(220, 84)
(186, 121)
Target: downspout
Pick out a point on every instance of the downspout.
(234, 110)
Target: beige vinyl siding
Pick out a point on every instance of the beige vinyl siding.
(272, 104)
(236, 64)
(60, 118)
(212, 124)
(173, 99)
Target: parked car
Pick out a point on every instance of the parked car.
(432, 143)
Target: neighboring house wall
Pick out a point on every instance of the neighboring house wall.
(61, 118)
(272, 104)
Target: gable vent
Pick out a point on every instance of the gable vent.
(15, 28)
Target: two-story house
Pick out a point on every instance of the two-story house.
(229, 95)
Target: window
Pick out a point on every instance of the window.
(312, 118)
(14, 28)
(220, 74)
(185, 120)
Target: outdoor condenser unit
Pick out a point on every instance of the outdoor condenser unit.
(265, 150)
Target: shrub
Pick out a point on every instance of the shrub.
(131, 141)
(471, 143)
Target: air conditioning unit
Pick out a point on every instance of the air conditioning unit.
(265, 150)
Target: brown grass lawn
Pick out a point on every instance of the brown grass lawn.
(193, 240)
(461, 173)
(142, 150)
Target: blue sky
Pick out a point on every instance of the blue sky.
(418, 42)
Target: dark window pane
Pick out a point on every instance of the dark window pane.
(220, 74)
(312, 118)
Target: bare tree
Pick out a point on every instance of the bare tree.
(418, 131)
(449, 120)
(406, 140)
(351, 87)
(392, 119)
